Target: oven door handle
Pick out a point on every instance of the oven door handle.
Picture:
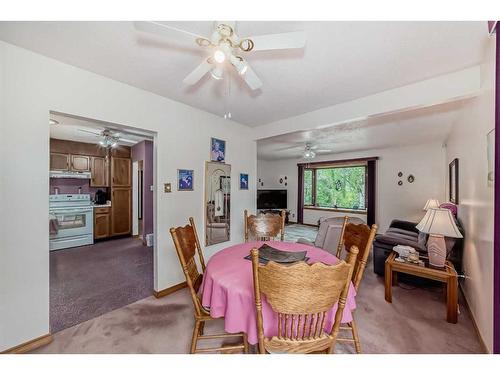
(70, 211)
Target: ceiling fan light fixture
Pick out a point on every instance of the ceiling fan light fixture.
(53, 122)
(219, 56)
(240, 65)
(216, 73)
(308, 153)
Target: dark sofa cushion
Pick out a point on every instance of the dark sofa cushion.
(403, 232)
(400, 240)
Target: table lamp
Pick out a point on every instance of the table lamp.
(431, 203)
(438, 223)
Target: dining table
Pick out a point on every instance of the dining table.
(228, 291)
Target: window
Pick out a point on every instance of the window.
(308, 187)
(336, 187)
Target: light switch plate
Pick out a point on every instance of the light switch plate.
(167, 187)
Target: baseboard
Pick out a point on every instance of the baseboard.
(483, 345)
(172, 289)
(30, 345)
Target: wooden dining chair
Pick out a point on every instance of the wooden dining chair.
(264, 227)
(302, 296)
(361, 236)
(187, 244)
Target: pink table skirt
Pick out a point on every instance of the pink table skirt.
(228, 289)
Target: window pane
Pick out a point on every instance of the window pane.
(341, 187)
(308, 187)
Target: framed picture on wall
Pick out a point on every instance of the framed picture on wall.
(217, 150)
(185, 179)
(243, 181)
(453, 181)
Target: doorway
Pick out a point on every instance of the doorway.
(98, 206)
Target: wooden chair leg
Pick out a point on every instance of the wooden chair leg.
(245, 343)
(355, 336)
(196, 332)
(202, 328)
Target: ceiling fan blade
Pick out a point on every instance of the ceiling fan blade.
(296, 147)
(252, 80)
(126, 140)
(90, 132)
(167, 31)
(296, 39)
(198, 72)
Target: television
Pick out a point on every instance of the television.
(271, 199)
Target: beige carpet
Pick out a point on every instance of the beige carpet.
(413, 323)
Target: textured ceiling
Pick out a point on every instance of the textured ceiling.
(341, 61)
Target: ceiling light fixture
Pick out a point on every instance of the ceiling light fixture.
(308, 153)
(217, 73)
(240, 64)
(219, 56)
(109, 141)
(53, 122)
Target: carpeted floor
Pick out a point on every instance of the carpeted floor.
(414, 323)
(90, 281)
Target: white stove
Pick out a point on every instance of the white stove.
(75, 220)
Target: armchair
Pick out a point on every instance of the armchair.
(329, 232)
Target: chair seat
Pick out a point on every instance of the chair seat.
(277, 345)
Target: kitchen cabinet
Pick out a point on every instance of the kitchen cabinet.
(121, 172)
(121, 211)
(102, 222)
(59, 162)
(99, 171)
(80, 163)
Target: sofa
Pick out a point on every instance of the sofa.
(402, 232)
(329, 233)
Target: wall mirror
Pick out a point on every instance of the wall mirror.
(217, 203)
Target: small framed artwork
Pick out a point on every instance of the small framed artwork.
(453, 181)
(185, 179)
(217, 150)
(243, 181)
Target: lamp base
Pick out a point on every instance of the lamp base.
(436, 248)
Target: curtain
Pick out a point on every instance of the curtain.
(300, 199)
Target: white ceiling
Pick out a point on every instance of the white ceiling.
(420, 126)
(78, 129)
(341, 61)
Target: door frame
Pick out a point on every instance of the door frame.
(496, 240)
(135, 198)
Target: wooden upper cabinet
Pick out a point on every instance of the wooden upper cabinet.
(59, 162)
(121, 211)
(121, 172)
(80, 163)
(99, 172)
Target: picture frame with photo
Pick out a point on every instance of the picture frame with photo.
(185, 180)
(244, 181)
(217, 150)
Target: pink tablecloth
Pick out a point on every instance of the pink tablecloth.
(228, 289)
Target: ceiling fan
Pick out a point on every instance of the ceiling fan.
(308, 150)
(109, 138)
(225, 48)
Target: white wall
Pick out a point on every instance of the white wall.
(31, 86)
(467, 142)
(424, 161)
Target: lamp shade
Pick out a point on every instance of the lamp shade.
(439, 221)
(431, 203)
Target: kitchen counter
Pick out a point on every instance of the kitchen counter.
(108, 204)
